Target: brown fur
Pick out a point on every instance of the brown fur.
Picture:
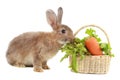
(36, 48)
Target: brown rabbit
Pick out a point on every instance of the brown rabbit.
(36, 48)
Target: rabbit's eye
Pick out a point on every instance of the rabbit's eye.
(63, 31)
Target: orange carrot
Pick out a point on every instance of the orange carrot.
(93, 46)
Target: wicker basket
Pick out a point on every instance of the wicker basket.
(93, 64)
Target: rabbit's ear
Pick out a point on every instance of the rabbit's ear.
(51, 18)
(59, 16)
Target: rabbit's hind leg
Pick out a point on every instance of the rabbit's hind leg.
(19, 64)
(13, 61)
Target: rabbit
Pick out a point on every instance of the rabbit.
(36, 48)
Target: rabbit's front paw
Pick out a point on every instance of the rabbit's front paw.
(45, 67)
(38, 69)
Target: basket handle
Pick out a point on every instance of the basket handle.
(92, 26)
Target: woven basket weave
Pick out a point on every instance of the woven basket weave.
(93, 64)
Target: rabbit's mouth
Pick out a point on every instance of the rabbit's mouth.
(64, 41)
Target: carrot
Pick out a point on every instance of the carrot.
(93, 46)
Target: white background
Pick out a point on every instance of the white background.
(18, 16)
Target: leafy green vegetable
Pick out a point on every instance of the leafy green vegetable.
(92, 33)
(77, 48)
(106, 48)
(74, 63)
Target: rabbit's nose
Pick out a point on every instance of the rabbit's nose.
(71, 39)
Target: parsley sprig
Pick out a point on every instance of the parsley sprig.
(77, 48)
